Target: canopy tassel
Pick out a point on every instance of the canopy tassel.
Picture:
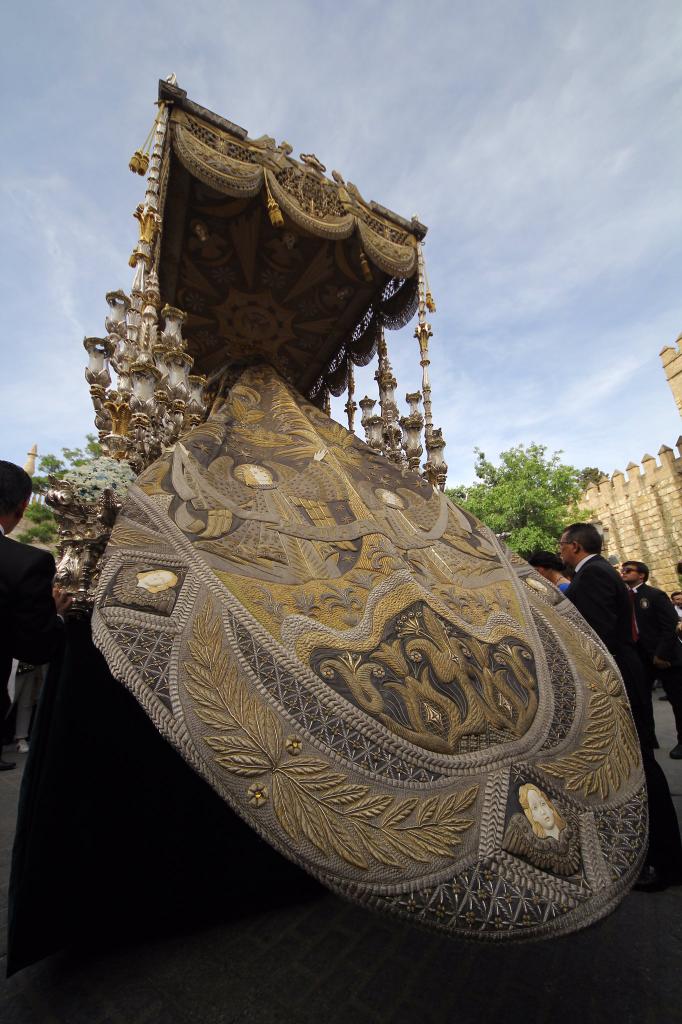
(274, 211)
(139, 161)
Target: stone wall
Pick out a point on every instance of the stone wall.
(642, 515)
(672, 364)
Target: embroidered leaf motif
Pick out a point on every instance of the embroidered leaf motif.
(249, 741)
(401, 811)
(610, 749)
(312, 801)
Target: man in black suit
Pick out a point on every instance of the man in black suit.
(605, 603)
(657, 643)
(676, 598)
(600, 596)
(31, 610)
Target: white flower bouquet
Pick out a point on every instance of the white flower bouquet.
(91, 479)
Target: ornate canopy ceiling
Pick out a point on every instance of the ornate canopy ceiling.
(273, 260)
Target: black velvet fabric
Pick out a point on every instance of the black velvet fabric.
(116, 836)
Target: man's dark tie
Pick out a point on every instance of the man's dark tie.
(633, 619)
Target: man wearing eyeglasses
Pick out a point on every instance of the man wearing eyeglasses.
(657, 643)
(604, 601)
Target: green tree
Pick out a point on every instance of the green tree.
(529, 497)
(591, 475)
(52, 465)
(39, 524)
(458, 493)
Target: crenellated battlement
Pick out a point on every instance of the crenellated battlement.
(648, 473)
(640, 511)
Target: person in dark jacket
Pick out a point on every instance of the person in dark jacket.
(657, 643)
(676, 598)
(603, 600)
(599, 594)
(31, 609)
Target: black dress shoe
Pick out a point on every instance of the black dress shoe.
(6, 766)
(650, 880)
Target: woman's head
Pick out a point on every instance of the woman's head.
(546, 560)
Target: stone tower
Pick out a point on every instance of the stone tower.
(30, 464)
(672, 364)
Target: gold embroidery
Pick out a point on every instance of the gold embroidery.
(257, 794)
(129, 537)
(609, 750)
(309, 799)
(434, 686)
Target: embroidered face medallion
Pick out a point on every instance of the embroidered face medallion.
(155, 581)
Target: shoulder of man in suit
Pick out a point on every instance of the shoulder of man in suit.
(596, 562)
(28, 550)
(28, 555)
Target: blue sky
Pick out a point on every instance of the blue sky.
(539, 142)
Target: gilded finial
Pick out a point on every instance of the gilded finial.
(274, 211)
(275, 214)
(149, 221)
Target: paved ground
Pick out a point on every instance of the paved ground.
(332, 962)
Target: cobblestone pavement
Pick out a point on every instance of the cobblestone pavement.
(329, 961)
